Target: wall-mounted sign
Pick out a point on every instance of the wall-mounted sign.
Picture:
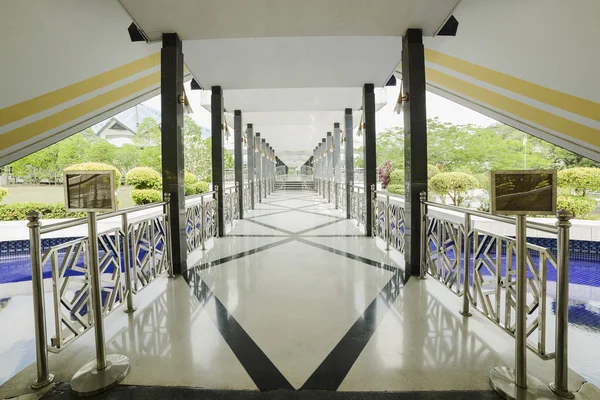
(90, 191)
(523, 192)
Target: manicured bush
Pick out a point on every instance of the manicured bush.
(18, 211)
(143, 178)
(146, 196)
(396, 189)
(580, 180)
(579, 206)
(190, 178)
(3, 193)
(384, 174)
(94, 166)
(200, 187)
(432, 171)
(397, 177)
(483, 180)
(453, 184)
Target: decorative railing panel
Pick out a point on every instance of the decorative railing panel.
(443, 252)
(150, 254)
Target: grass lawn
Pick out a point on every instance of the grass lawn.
(55, 194)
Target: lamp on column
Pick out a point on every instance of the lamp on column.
(183, 100)
(402, 98)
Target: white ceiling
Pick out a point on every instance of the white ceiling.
(298, 62)
(218, 19)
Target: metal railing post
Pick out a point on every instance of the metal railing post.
(127, 261)
(467, 267)
(202, 223)
(231, 207)
(218, 231)
(167, 210)
(106, 371)
(423, 247)
(358, 197)
(44, 377)
(335, 194)
(560, 386)
(372, 211)
(388, 225)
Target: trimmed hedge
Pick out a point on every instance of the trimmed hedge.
(3, 193)
(397, 177)
(580, 180)
(189, 178)
(143, 178)
(18, 211)
(454, 184)
(196, 188)
(432, 171)
(396, 189)
(579, 206)
(146, 196)
(95, 166)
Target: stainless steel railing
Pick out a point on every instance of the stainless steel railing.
(388, 219)
(492, 272)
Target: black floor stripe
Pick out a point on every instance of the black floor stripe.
(332, 371)
(259, 367)
(62, 391)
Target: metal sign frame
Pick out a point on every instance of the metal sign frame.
(113, 197)
(493, 198)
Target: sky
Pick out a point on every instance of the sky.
(445, 110)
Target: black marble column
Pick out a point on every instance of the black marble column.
(349, 146)
(218, 143)
(238, 159)
(250, 148)
(415, 143)
(258, 165)
(370, 151)
(172, 144)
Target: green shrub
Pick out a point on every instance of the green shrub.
(580, 179)
(579, 206)
(18, 211)
(397, 177)
(483, 180)
(146, 196)
(3, 193)
(396, 189)
(143, 178)
(200, 187)
(453, 184)
(432, 171)
(190, 178)
(95, 166)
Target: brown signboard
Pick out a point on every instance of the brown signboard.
(523, 192)
(90, 191)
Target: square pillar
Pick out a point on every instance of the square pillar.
(171, 80)
(218, 143)
(415, 144)
(258, 165)
(238, 159)
(349, 147)
(251, 172)
(337, 147)
(370, 152)
(263, 152)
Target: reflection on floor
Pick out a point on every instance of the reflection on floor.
(296, 298)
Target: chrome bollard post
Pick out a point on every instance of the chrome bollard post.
(515, 383)
(560, 386)
(388, 225)
(44, 377)
(127, 261)
(423, 247)
(465, 312)
(105, 371)
(167, 211)
(202, 226)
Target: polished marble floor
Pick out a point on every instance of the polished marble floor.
(295, 297)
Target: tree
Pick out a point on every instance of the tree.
(151, 157)
(195, 153)
(580, 180)
(101, 151)
(453, 184)
(127, 157)
(390, 147)
(228, 157)
(148, 133)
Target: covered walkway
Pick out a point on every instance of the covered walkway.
(296, 297)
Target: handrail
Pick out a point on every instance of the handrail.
(392, 195)
(80, 221)
(509, 220)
